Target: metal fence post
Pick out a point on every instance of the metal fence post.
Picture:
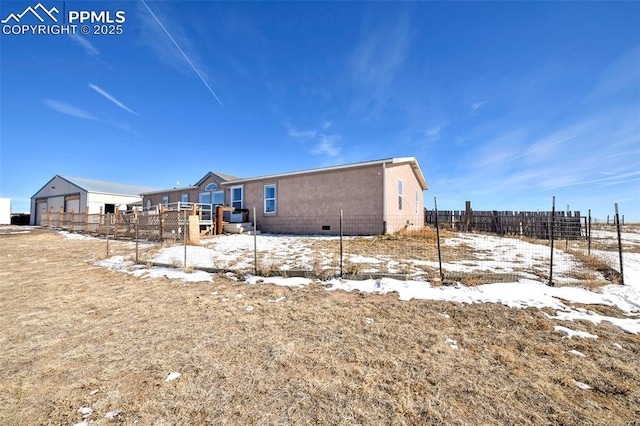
(553, 213)
(589, 235)
(136, 229)
(617, 218)
(435, 205)
(341, 252)
(255, 243)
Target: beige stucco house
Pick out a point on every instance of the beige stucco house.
(375, 197)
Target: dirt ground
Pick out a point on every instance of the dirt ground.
(84, 343)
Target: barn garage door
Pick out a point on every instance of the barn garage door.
(72, 203)
(40, 205)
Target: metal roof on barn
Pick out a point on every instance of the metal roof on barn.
(103, 187)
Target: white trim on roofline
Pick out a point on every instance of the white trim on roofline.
(162, 191)
(396, 160)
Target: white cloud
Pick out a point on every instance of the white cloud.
(300, 134)
(432, 131)
(477, 105)
(111, 98)
(86, 44)
(323, 144)
(620, 75)
(377, 59)
(328, 145)
(67, 109)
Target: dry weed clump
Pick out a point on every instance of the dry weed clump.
(76, 335)
(595, 263)
(427, 233)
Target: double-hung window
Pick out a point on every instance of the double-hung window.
(270, 199)
(236, 197)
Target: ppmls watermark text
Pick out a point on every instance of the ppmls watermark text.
(43, 20)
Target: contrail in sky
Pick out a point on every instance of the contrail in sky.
(182, 51)
(541, 147)
(111, 98)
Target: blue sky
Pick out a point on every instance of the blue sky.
(505, 104)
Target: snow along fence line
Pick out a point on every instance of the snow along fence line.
(468, 258)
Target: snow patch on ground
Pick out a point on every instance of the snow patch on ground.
(279, 281)
(170, 273)
(172, 376)
(493, 253)
(571, 333)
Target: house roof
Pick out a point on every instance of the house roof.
(396, 160)
(103, 187)
(219, 176)
(232, 180)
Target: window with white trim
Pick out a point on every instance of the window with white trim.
(204, 198)
(165, 200)
(236, 197)
(417, 200)
(184, 198)
(217, 198)
(270, 199)
(400, 195)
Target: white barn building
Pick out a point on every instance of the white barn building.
(77, 194)
(5, 211)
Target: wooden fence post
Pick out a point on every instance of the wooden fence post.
(115, 224)
(162, 211)
(468, 216)
(218, 220)
(101, 221)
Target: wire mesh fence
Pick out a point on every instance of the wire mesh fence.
(563, 252)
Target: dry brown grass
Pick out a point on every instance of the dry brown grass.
(594, 263)
(301, 356)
